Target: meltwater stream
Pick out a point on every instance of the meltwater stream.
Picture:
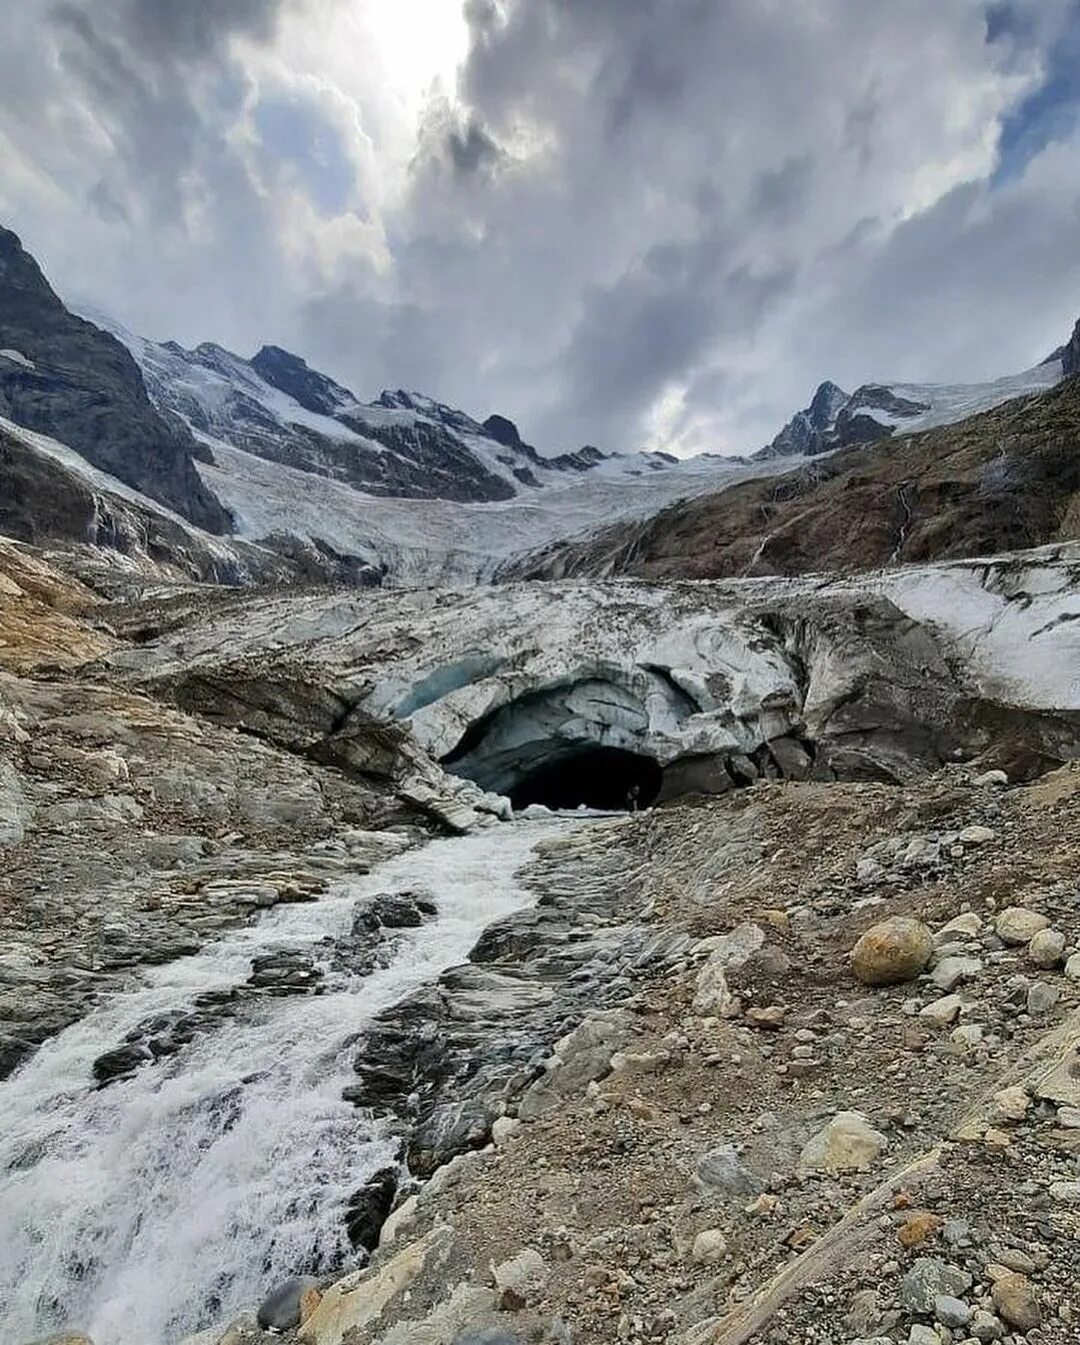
(143, 1211)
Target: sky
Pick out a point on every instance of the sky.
(631, 223)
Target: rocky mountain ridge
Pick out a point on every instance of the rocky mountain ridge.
(61, 376)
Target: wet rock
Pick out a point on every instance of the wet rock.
(893, 951)
(848, 1143)
(121, 1062)
(369, 1207)
(280, 1310)
(1016, 925)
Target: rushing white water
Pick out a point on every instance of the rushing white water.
(142, 1211)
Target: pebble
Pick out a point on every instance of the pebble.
(942, 1011)
(849, 1143)
(1072, 967)
(1047, 948)
(966, 926)
(977, 835)
(1068, 1193)
(986, 1327)
(723, 1172)
(1011, 1104)
(950, 971)
(951, 1312)
(928, 1279)
(709, 1247)
(1042, 999)
(1016, 925)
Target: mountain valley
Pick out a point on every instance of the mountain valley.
(455, 895)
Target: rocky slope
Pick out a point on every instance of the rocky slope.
(66, 378)
(1003, 479)
(758, 1136)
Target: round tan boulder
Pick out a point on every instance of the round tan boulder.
(895, 950)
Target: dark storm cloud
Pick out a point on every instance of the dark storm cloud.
(631, 219)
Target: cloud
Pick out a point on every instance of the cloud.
(628, 221)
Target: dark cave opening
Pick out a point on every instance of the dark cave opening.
(598, 777)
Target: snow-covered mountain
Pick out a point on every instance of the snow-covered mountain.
(837, 419)
(402, 445)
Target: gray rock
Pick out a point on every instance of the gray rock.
(280, 1309)
(951, 971)
(929, 1279)
(1042, 999)
(951, 1312)
(722, 1172)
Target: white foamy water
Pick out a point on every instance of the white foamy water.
(143, 1211)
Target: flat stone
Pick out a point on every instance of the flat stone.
(951, 971)
(944, 1011)
(722, 1172)
(1065, 1193)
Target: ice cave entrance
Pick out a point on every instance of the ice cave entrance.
(596, 777)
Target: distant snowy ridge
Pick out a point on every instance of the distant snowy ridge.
(836, 419)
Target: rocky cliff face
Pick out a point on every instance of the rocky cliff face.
(64, 377)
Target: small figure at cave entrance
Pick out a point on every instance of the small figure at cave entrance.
(633, 794)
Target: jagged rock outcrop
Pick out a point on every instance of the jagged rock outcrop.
(63, 377)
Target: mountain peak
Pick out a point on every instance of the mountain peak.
(293, 375)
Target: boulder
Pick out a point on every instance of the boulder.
(895, 950)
